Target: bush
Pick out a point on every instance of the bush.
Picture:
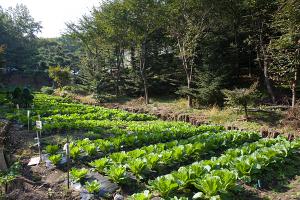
(76, 89)
(205, 90)
(60, 75)
(23, 98)
(47, 90)
(241, 97)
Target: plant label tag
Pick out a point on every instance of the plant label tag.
(39, 125)
(66, 148)
(259, 183)
(18, 107)
(34, 161)
(28, 113)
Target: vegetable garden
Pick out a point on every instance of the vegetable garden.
(154, 158)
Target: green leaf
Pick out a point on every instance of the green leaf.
(164, 185)
(117, 173)
(99, 164)
(93, 187)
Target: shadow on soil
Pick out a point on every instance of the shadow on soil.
(276, 178)
(270, 118)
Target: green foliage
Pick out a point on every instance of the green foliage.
(22, 97)
(99, 164)
(241, 97)
(47, 90)
(18, 34)
(52, 149)
(55, 159)
(207, 89)
(164, 185)
(137, 166)
(60, 75)
(119, 157)
(93, 187)
(2, 50)
(146, 195)
(90, 149)
(74, 152)
(10, 174)
(117, 173)
(78, 175)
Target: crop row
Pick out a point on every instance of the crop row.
(45, 106)
(219, 175)
(122, 172)
(55, 108)
(139, 139)
(149, 159)
(140, 162)
(113, 128)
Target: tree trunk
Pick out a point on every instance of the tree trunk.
(264, 67)
(246, 111)
(267, 82)
(265, 64)
(142, 72)
(189, 96)
(294, 87)
(188, 70)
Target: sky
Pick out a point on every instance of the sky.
(53, 14)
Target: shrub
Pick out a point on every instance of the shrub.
(23, 98)
(241, 97)
(77, 89)
(60, 75)
(47, 90)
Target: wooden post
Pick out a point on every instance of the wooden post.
(68, 161)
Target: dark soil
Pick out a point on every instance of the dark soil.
(35, 182)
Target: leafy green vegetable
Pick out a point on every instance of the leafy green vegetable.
(117, 173)
(78, 174)
(55, 159)
(164, 185)
(137, 166)
(52, 149)
(99, 164)
(90, 149)
(146, 195)
(92, 187)
(74, 152)
(119, 157)
(209, 185)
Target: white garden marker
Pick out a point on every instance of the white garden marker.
(67, 149)
(28, 119)
(39, 126)
(18, 109)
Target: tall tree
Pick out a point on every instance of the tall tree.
(260, 33)
(145, 19)
(285, 47)
(189, 22)
(18, 32)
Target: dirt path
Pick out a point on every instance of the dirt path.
(37, 182)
